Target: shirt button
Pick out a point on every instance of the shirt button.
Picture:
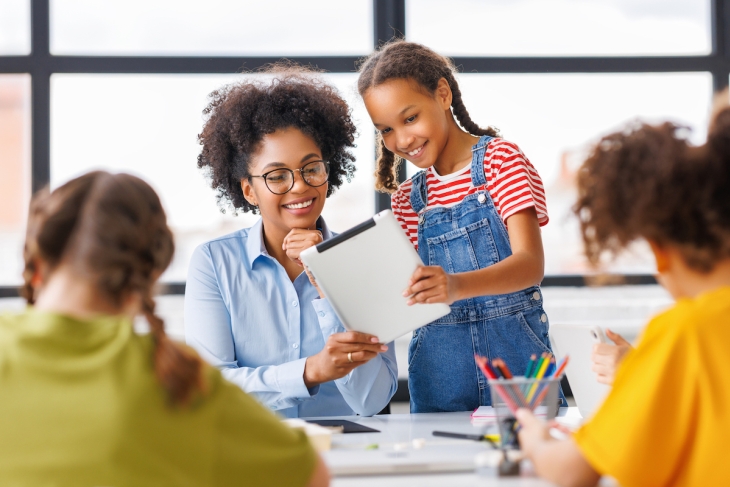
(321, 314)
(543, 318)
(481, 198)
(294, 303)
(536, 295)
(295, 346)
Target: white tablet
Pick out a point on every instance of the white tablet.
(363, 273)
(577, 341)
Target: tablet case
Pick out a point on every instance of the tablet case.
(363, 273)
(577, 341)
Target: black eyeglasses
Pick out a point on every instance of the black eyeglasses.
(281, 181)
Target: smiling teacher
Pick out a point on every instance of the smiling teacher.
(279, 148)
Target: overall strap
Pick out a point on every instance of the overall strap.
(478, 178)
(419, 195)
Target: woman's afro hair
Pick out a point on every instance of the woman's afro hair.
(239, 115)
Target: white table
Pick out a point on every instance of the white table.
(403, 428)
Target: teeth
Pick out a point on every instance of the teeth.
(297, 206)
(415, 151)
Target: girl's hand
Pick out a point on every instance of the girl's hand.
(431, 284)
(606, 357)
(533, 431)
(298, 240)
(341, 354)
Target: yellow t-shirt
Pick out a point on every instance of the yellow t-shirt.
(80, 405)
(667, 419)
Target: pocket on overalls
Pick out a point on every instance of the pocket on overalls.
(414, 345)
(534, 326)
(466, 249)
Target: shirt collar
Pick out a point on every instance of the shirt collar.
(255, 246)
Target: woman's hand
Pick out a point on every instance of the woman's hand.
(606, 357)
(431, 284)
(341, 354)
(299, 240)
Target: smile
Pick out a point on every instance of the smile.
(416, 152)
(300, 205)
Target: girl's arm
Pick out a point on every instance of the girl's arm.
(524, 268)
(559, 461)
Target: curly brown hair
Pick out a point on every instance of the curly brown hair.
(239, 115)
(111, 230)
(650, 182)
(408, 60)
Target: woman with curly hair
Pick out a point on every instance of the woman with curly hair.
(279, 147)
(665, 421)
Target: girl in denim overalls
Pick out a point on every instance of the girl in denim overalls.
(488, 272)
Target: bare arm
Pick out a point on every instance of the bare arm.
(524, 268)
(320, 476)
(559, 461)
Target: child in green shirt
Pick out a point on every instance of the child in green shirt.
(86, 401)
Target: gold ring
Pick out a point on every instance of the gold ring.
(349, 357)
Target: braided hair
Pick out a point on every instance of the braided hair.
(112, 231)
(408, 60)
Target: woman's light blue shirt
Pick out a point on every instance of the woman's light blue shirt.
(245, 316)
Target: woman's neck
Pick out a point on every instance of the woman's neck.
(274, 242)
(457, 154)
(68, 294)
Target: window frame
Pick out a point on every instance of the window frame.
(389, 20)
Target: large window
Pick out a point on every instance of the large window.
(121, 85)
(153, 134)
(15, 180)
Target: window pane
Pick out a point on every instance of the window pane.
(561, 27)
(148, 125)
(213, 27)
(15, 27)
(15, 180)
(554, 118)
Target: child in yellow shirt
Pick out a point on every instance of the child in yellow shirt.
(666, 419)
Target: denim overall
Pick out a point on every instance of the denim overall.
(442, 374)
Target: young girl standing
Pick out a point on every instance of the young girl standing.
(474, 213)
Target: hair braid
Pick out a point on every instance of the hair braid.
(461, 113)
(386, 174)
(177, 368)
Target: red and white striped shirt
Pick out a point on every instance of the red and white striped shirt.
(512, 182)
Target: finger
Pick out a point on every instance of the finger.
(604, 360)
(423, 285)
(616, 338)
(527, 419)
(436, 294)
(354, 337)
(604, 379)
(603, 348)
(363, 356)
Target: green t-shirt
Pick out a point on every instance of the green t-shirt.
(80, 405)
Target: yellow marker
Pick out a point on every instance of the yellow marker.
(538, 377)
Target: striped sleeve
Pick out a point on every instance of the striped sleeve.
(400, 203)
(513, 182)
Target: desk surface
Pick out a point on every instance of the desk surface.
(404, 428)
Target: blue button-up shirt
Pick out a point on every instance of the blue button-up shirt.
(245, 316)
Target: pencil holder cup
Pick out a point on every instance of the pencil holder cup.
(508, 395)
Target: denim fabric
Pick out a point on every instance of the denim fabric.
(467, 237)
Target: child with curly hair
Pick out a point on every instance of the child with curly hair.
(665, 421)
(279, 147)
